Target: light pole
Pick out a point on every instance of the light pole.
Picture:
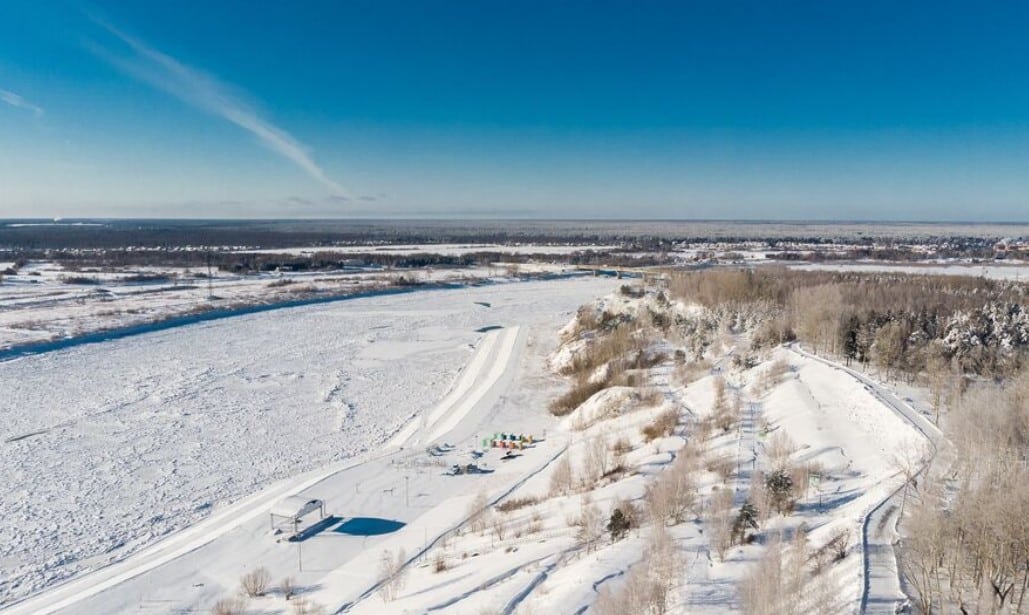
(407, 491)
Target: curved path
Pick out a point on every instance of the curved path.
(881, 590)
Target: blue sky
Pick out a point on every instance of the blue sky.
(856, 111)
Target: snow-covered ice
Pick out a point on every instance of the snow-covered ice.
(109, 446)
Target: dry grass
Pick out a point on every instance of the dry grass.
(772, 376)
(303, 606)
(515, 503)
(690, 372)
(236, 605)
(650, 396)
(582, 389)
(622, 446)
(662, 425)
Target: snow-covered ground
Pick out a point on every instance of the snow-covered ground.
(45, 302)
(108, 447)
(445, 249)
(1017, 271)
(142, 469)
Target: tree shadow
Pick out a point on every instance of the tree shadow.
(828, 502)
(297, 590)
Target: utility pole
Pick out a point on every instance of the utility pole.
(210, 295)
(407, 491)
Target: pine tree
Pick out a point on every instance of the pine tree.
(746, 518)
(780, 488)
(618, 525)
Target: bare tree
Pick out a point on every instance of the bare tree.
(779, 449)
(907, 461)
(721, 410)
(938, 376)
(774, 585)
(597, 460)
(439, 562)
(673, 494)
(719, 521)
(590, 524)
(666, 567)
(499, 527)
(888, 348)
(816, 314)
(391, 574)
(561, 477)
(255, 583)
(648, 584)
(479, 513)
(923, 560)
(288, 587)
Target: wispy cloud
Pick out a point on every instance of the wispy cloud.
(205, 92)
(18, 101)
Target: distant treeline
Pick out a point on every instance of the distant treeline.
(871, 241)
(172, 235)
(255, 262)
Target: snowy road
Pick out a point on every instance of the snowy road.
(881, 590)
(180, 423)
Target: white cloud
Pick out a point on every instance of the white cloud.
(18, 101)
(207, 93)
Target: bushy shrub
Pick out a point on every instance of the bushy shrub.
(255, 583)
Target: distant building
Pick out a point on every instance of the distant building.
(1012, 247)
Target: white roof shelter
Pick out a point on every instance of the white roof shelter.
(294, 508)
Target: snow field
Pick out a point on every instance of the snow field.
(180, 422)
